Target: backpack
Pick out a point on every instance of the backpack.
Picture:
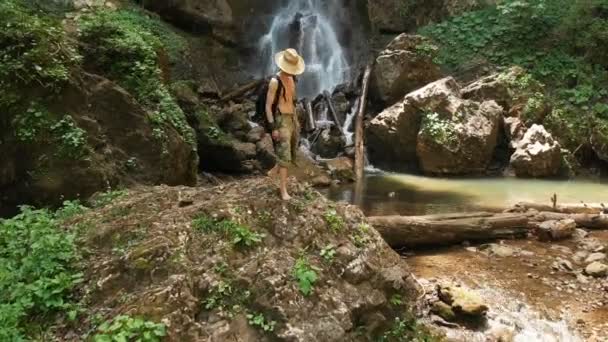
(260, 105)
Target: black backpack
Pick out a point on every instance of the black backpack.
(260, 105)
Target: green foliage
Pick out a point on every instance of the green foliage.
(105, 198)
(334, 221)
(361, 236)
(305, 276)
(407, 330)
(328, 253)
(124, 45)
(37, 269)
(72, 139)
(440, 130)
(260, 321)
(239, 235)
(562, 43)
(34, 52)
(126, 328)
(226, 297)
(396, 300)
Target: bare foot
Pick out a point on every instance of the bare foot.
(285, 197)
(274, 172)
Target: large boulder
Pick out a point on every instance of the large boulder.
(515, 90)
(313, 267)
(405, 65)
(437, 129)
(537, 154)
(102, 138)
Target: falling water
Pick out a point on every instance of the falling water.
(305, 26)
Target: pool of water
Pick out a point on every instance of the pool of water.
(403, 194)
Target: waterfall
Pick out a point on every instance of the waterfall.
(306, 26)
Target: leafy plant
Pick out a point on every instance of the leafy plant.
(37, 270)
(305, 276)
(361, 236)
(328, 253)
(407, 330)
(334, 221)
(226, 297)
(126, 328)
(396, 300)
(258, 320)
(240, 235)
(440, 130)
(105, 198)
(71, 138)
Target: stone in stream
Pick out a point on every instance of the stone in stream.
(464, 303)
(595, 257)
(580, 256)
(538, 154)
(597, 269)
(556, 230)
(501, 251)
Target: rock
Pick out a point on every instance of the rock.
(580, 234)
(340, 168)
(501, 251)
(580, 256)
(193, 280)
(402, 67)
(329, 144)
(515, 90)
(556, 230)
(592, 245)
(444, 311)
(595, 257)
(204, 15)
(562, 265)
(596, 269)
(463, 302)
(437, 129)
(537, 154)
(111, 141)
(208, 88)
(514, 130)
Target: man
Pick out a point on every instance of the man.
(284, 121)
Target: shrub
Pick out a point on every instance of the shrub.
(37, 269)
(305, 276)
(239, 235)
(126, 328)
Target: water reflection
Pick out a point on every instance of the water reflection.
(399, 194)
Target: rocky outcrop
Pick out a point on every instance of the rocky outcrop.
(405, 65)
(435, 127)
(396, 16)
(102, 138)
(537, 154)
(312, 269)
(516, 91)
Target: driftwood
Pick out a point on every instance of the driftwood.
(242, 90)
(564, 208)
(420, 231)
(332, 111)
(359, 142)
(589, 221)
(311, 125)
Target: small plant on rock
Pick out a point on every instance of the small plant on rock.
(126, 328)
(305, 276)
(328, 253)
(334, 221)
(261, 322)
(361, 236)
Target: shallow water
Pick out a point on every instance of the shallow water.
(402, 194)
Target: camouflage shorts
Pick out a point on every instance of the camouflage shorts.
(287, 145)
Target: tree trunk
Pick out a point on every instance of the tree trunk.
(565, 208)
(434, 230)
(359, 142)
(589, 221)
(310, 118)
(242, 90)
(332, 111)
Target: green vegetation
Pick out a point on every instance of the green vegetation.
(305, 276)
(226, 297)
(407, 330)
(328, 253)
(240, 235)
(38, 270)
(105, 198)
(442, 131)
(562, 43)
(34, 53)
(125, 45)
(126, 328)
(361, 236)
(260, 321)
(334, 221)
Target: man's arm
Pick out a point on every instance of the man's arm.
(270, 98)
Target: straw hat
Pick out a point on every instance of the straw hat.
(290, 62)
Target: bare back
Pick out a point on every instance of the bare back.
(286, 102)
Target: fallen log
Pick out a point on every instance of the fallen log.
(436, 230)
(242, 90)
(564, 208)
(589, 221)
(332, 111)
(359, 143)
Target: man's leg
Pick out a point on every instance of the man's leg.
(283, 186)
